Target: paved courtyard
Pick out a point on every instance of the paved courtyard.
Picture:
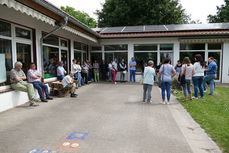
(105, 118)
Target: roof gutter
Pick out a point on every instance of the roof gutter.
(64, 15)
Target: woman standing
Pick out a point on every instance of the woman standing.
(198, 77)
(178, 69)
(85, 72)
(114, 70)
(96, 71)
(148, 81)
(166, 73)
(123, 68)
(187, 72)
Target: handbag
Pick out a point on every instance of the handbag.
(160, 83)
(182, 79)
(124, 72)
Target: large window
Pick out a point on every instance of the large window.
(6, 61)
(55, 49)
(198, 46)
(166, 51)
(80, 51)
(191, 55)
(19, 37)
(119, 51)
(115, 47)
(145, 47)
(96, 56)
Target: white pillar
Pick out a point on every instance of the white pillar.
(130, 55)
(103, 52)
(225, 67)
(72, 52)
(176, 52)
(38, 49)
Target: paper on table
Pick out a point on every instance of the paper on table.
(2, 68)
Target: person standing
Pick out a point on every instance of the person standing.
(148, 81)
(188, 71)
(178, 69)
(166, 73)
(17, 77)
(68, 83)
(34, 77)
(85, 69)
(210, 74)
(103, 70)
(110, 68)
(123, 68)
(96, 71)
(60, 71)
(198, 76)
(132, 69)
(114, 70)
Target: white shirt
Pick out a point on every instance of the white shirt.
(110, 66)
(76, 68)
(66, 80)
(198, 69)
(60, 71)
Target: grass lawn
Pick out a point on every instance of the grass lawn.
(212, 113)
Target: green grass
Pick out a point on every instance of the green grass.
(212, 113)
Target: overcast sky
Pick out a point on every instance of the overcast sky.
(199, 9)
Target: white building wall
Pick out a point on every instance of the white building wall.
(12, 99)
(225, 69)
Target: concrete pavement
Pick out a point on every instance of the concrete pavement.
(105, 118)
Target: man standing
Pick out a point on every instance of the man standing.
(68, 83)
(17, 77)
(123, 68)
(132, 69)
(60, 71)
(34, 77)
(210, 74)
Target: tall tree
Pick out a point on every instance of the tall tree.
(81, 16)
(222, 14)
(141, 12)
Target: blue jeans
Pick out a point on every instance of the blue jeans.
(198, 85)
(186, 88)
(132, 74)
(60, 77)
(210, 79)
(39, 85)
(77, 76)
(166, 86)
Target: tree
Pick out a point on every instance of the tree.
(141, 12)
(81, 16)
(222, 14)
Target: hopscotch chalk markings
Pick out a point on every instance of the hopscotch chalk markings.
(72, 143)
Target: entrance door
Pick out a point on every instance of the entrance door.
(217, 56)
(64, 59)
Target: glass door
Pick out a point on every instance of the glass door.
(217, 57)
(64, 59)
(24, 55)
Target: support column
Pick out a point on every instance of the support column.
(225, 63)
(176, 52)
(130, 55)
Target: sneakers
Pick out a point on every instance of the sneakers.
(49, 98)
(149, 101)
(163, 102)
(33, 104)
(45, 101)
(73, 95)
(115, 83)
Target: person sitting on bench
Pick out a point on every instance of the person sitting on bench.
(68, 83)
(17, 77)
(34, 77)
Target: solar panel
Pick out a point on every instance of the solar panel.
(112, 30)
(153, 28)
(133, 29)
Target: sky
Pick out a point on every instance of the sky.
(198, 9)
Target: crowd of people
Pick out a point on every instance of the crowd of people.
(199, 73)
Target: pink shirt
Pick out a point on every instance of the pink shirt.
(32, 73)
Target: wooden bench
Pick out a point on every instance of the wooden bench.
(57, 89)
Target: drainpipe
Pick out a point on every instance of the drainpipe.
(41, 43)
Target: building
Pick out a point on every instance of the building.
(36, 31)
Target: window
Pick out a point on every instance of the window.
(84, 47)
(96, 56)
(96, 48)
(64, 59)
(51, 59)
(51, 40)
(5, 29)
(78, 55)
(64, 43)
(77, 45)
(22, 33)
(6, 52)
(119, 55)
(166, 47)
(164, 55)
(115, 47)
(144, 57)
(191, 55)
(192, 46)
(24, 55)
(145, 47)
(214, 46)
